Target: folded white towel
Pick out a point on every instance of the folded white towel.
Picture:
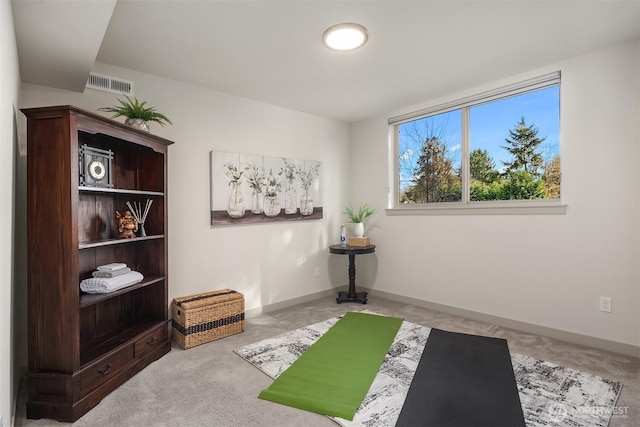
(109, 274)
(101, 285)
(112, 267)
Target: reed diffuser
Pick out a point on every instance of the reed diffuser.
(140, 215)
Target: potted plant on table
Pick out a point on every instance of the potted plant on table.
(358, 217)
(137, 113)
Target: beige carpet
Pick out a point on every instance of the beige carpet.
(209, 385)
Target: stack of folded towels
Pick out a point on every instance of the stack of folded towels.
(109, 278)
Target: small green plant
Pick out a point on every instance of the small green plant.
(363, 213)
(273, 184)
(256, 177)
(306, 177)
(233, 173)
(134, 109)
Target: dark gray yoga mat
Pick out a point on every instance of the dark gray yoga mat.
(463, 380)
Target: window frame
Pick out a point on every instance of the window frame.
(466, 206)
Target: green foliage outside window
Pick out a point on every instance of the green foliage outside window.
(523, 178)
(495, 142)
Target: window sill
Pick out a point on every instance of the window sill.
(495, 208)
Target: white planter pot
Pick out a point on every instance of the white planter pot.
(359, 229)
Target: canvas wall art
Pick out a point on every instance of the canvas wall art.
(248, 189)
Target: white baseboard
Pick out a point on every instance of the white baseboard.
(586, 340)
(289, 303)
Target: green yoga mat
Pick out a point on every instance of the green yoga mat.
(335, 373)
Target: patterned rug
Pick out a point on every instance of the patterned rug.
(550, 394)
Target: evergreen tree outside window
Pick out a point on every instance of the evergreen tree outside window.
(498, 147)
(430, 162)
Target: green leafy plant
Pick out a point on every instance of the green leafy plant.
(256, 176)
(289, 170)
(134, 109)
(273, 184)
(306, 177)
(233, 173)
(363, 213)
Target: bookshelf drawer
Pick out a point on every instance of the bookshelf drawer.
(151, 341)
(105, 368)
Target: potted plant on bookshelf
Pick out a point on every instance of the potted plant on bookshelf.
(358, 217)
(137, 113)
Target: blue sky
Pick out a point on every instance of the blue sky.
(489, 126)
(490, 123)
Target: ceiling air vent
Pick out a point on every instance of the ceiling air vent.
(109, 84)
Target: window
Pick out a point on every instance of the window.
(499, 149)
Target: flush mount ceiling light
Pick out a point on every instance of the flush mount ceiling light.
(347, 36)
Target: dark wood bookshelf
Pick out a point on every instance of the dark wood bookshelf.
(119, 191)
(90, 299)
(109, 242)
(83, 346)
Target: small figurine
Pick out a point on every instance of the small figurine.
(127, 225)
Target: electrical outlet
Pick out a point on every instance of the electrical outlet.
(605, 304)
(317, 272)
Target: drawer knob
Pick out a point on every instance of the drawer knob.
(151, 340)
(106, 369)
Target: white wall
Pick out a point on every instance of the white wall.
(542, 270)
(470, 262)
(9, 93)
(269, 263)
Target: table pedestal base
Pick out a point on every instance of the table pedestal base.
(360, 297)
(351, 295)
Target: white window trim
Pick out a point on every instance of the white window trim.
(467, 207)
(502, 207)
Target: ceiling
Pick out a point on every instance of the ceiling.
(272, 51)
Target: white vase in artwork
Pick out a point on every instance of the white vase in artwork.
(235, 207)
(290, 200)
(256, 202)
(271, 206)
(306, 203)
(359, 229)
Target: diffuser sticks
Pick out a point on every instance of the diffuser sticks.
(139, 214)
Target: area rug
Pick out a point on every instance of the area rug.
(550, 394)
(334, 374)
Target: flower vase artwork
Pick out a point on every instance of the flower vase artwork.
(271, 206)
(291, 200)
(256, 179)
(272, 190)
(235, 206)
(290, 193)
(306, 178)
(306, 203)
(257, 202)
(255, 189)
